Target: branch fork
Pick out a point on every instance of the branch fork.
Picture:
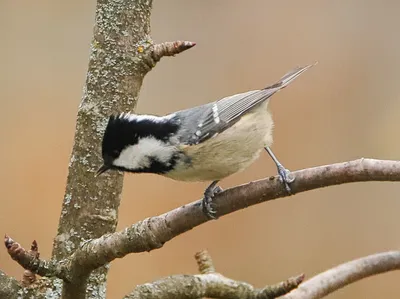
(112, 85)
(153, 232)
(209, 283)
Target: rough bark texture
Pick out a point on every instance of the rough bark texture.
(9, 287)
(115, 74)
(122, 52)
(215, 285)
(212, 285)
(209, 284)
(154, 232)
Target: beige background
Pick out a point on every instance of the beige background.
(345, 108)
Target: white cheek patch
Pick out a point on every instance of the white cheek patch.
(139, 156)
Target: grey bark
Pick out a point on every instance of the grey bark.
(9, 287)
(210, 284)
(338, 277)
(152, 233)
(115, 75)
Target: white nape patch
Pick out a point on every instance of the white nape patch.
(215, 113)
(141, 117)
(138, 156)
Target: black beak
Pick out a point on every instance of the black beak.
(102, 169)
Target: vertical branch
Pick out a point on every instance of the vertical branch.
(9, 287)
(114, 78)
(122, 53)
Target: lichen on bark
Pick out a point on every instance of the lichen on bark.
(9, 287)
(114, 77)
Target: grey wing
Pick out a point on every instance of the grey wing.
(204, 122)
(227, 111)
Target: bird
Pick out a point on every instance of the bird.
(204, 143)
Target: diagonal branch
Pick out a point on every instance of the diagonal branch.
(9, 287)
(209, 284)
(153, 232)
(345, 274)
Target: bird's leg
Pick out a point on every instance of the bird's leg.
(208, 206)
(284, 174)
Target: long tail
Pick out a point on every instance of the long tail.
(290, 76)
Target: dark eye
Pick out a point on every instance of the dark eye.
(115, 153)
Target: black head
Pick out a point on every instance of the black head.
(126, 130)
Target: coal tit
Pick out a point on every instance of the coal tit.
(204, 143)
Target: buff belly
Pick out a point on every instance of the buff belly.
(230, 151)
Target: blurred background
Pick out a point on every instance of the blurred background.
(345, 108)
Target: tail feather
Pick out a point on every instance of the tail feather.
(290, 76)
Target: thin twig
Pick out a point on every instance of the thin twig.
(152, 53)
(347, 273)
(204, 262)
(32, 262)
(170, 48)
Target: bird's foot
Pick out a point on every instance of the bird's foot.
(286, 177)
(207, 202)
